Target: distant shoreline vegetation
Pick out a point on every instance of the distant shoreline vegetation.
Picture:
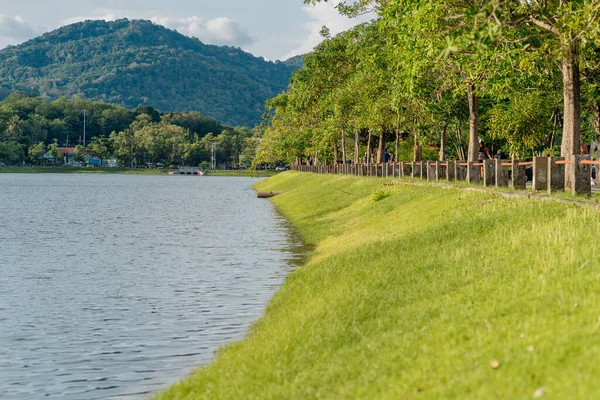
(128, 171)
(41, 133)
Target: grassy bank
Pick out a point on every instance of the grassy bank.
(245, 172)
(418, 291)
(70, 170)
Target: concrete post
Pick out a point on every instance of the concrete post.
(423, 170)
(556, 175)
(440, 171)
(416, 170)
(460, 171)
(450, 171)
(540, 173)
(406, 169)
(501, 174)
(473, 174)
(581, 176)
(489, 173)
(431, 171)
(519, 177)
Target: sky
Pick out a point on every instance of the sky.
(273, 29)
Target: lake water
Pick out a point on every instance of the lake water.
(115, 286)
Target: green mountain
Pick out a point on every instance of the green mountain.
(136, 63)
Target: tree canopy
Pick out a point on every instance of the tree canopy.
(523, 76)
(31, 127)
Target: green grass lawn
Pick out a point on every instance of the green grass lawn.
(421, 292)
(70, 170)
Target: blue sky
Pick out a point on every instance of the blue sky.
(274, 29)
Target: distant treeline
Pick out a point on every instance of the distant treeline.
(30, 127)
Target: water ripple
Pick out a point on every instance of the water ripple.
(114, 287)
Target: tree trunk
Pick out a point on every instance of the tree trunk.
(443, 142)
(381, 148)
(356, 146)
(473, 123)
(572, 107)
(335, 153)
(369, 148)
(396, 158)
(572, 102)
(343, 148)
(418, 150)
(597, 119)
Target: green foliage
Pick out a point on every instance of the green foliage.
(36, 151)
(55, 152)
(137, 63)
(432, 70)
(381, 194)
(11, 152)
(132, 137)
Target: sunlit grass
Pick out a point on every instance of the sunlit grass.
(415, 293)
(242, 172)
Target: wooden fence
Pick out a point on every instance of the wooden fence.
(549, 173)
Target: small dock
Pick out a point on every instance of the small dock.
(187, 171)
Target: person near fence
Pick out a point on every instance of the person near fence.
(484, 153)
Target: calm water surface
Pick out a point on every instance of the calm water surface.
(115, 286)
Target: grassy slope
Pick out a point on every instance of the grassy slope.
(242, 172)
(414, 295)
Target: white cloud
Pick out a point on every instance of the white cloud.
(15, 28)
(104, 17)
(219, 31)
(323, 14)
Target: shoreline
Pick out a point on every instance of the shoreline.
(445, 292)
(65, 170)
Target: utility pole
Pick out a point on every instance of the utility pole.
(84, 112)
(213, 156)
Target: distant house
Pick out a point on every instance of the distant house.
(48, 159)
(110, 163)
(94, 161)
(69, 153)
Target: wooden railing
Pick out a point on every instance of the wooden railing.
(548, 173)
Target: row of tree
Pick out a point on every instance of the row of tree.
(523, 75)
(31, 127)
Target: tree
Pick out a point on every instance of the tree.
(101, 147)
(55, 152)
(36, 152)
(80, 154)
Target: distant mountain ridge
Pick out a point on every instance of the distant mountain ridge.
(136, 62)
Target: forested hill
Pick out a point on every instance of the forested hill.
(135, 63)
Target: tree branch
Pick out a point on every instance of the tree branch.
(544, 25)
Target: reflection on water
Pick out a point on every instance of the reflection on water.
(116, 286)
